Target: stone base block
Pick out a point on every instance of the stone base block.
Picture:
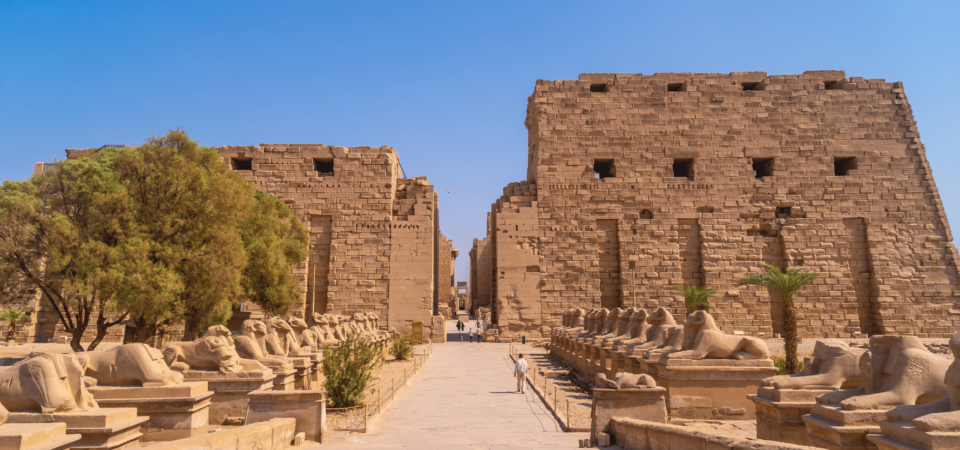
(904, 436)
(779, 413)
(99, 429)
(36, 436)
(308, 407)
(175, 412)
(640, 404)
(831, 427)
(712, 388)
(230, 391)
(285, 379)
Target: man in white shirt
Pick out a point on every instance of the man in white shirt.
(520, 370)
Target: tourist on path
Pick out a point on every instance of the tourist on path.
(520, 370)
(471, 335)
(479, 335)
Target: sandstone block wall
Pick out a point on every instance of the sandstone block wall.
(638, 183)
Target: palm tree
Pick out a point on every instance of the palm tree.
(786, 284)
(15, 316)
(697, 297)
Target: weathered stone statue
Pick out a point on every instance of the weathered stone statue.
(337, 325)
(47, 383)
(782, 400)
(249, 346)
(372, 323)
(221, 332)
(589, 321)
(834, 365)
(626, 381)
(934, 425)
(610, 326)
(704, 339)
(211, 352)
(661, 323)
(304, 338)
(128, 365)
(899, 371)
(274, 341)
(599, 324)
(639, 330)
(623, 328)
(576, 321)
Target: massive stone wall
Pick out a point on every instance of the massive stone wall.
(638, 183)
(373, 233)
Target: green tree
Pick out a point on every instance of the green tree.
(187, 207)
(63, 233)
(787, 284)
(274, 241)
(696, 297)
(14, 316)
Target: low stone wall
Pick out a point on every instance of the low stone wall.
(274, 434)
(632, 434)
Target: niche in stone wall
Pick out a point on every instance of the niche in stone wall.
(318, 274)
(861, 275)
(608, 254)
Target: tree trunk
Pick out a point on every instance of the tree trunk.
(75, 341)
(189, 330)
(790, 337)
(12, 331)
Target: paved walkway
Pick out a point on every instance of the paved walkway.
(465, 397)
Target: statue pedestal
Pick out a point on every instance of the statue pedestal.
(36, 436)
(99, 429)
(308, 407)
(174, 412)
(303, 367)
(779, 413)
(640, 404)
(904, 436)
(284, 379)
(230, 391)
(712, 388)
(831, 427)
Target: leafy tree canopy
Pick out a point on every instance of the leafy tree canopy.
(274, 241)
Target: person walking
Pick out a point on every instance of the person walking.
(479, 335)
(471, 335)
(520, 370)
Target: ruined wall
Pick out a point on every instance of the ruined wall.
(447, 289)
(647, 182)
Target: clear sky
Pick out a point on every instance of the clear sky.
(445, 83)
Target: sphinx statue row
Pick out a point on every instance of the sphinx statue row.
(894, 395)
(593, 340)
(47, 382)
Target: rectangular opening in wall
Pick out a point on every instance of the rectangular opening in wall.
(323, 165)
(241, 163)
(842, 166)
(763, 167)
(783, 212)
(598, 87)
(831, 84)
(603, 168)
(683, 168)
(750, 86)
(674, 87)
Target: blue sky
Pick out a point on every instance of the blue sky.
(445, 83)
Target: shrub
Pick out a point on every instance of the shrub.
(401, 348)
(781, 363)
(348, 368)
(15, 316)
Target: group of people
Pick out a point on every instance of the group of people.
(478, 332)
